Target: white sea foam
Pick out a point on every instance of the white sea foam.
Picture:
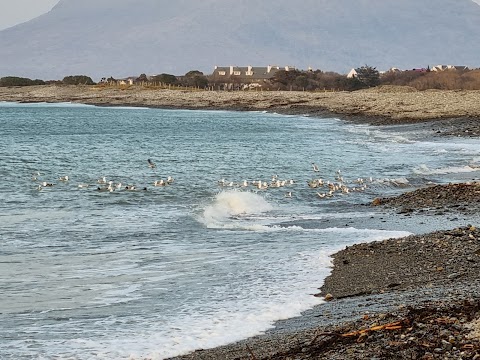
(233, 204)
(393, 181)
(370, 131)
(249, 311)
(44, 104)
(425, 170)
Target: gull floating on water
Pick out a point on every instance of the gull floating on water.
(63, 178)
(159, 183)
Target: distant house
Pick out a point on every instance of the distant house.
(352, 74)
(394, 70)
(450, 67)
(245, 76)
(126, 81)
(458, 67)
(438, 68)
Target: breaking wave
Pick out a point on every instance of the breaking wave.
(425, 170)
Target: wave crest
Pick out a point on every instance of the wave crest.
(233, 204)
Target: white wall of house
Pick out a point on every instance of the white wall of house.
(352, 74)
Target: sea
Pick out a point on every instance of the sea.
(98, 263)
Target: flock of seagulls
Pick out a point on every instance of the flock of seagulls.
(324, 188)
(102, 184)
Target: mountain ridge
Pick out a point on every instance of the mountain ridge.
(124, 37)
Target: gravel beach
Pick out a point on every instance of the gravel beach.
(453, 112)
(412, 298)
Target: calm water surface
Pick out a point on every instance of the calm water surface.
(88, 274)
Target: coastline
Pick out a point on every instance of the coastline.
(432, 275)
(448, 112)
(450, 285)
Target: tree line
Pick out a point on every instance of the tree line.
(297, 80)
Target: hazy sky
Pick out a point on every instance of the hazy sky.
(14, 12)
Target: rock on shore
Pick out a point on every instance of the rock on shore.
(433, 259)
(463, 198)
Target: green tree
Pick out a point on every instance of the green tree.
(301, 81)
(195, 78)
(19, 81)
(78, 80)
(165, 79)
(193, 73)
(368, 76)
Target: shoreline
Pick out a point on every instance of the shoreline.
(384, 296)
(382, 282)
(449, 112)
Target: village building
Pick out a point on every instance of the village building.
(244, 77)
(449, 67)
(352, 74)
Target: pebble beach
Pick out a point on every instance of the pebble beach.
(412, 298)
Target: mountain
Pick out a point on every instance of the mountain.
(121, 38)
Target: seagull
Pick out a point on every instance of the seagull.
(288, 194)
(315, 167)
(63, 178)
(151, 164)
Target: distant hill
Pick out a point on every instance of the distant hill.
(128, 37)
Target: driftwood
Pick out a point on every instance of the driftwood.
(397, 325)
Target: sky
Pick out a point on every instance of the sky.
(13, 12)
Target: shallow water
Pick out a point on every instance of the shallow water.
(88, 274)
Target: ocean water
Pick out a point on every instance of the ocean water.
(204, 261)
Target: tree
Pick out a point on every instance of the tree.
(195, 78)
(142, 78)
(165, 78)
(19, 81)
(285, 77)
(301, 81)
(78, 80)
(193, 73)
(368, 76)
